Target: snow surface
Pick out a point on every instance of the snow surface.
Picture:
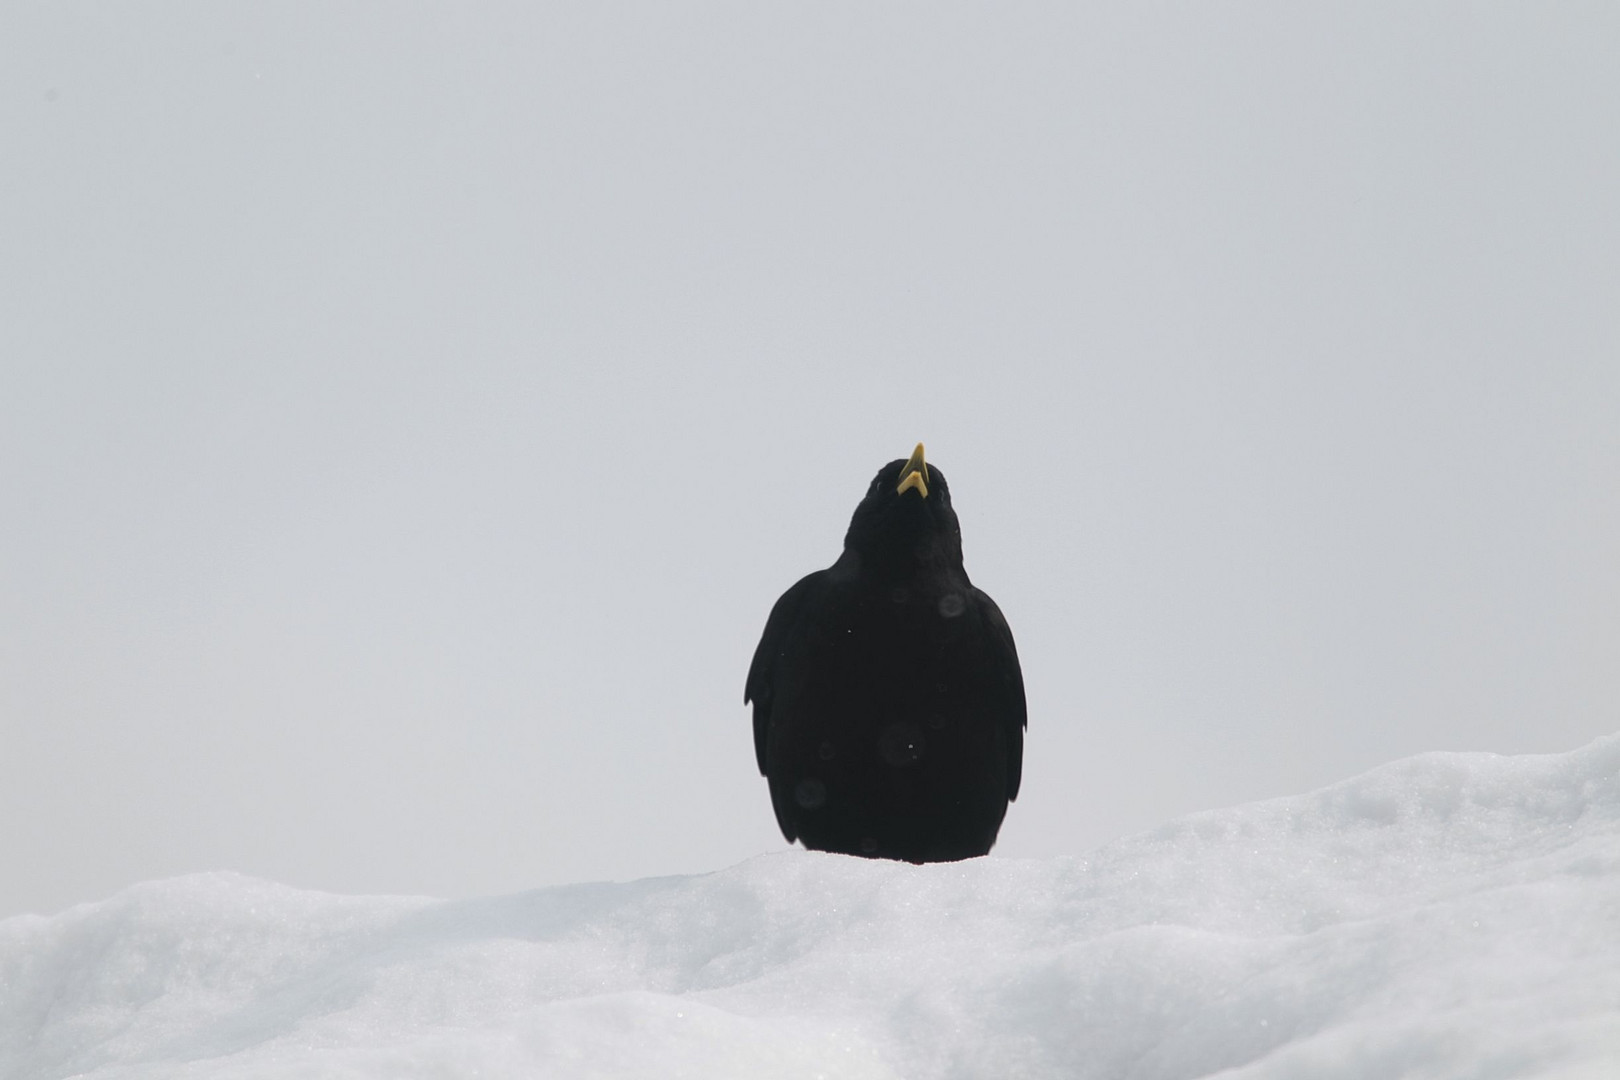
(1450, 915)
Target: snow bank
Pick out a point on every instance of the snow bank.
(1450, 915)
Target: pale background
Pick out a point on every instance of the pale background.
(410, 413)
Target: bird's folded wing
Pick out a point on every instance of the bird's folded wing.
(780, 630)
(1008, 682)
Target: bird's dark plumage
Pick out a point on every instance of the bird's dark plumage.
(888, 701)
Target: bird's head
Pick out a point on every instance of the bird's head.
(906, 516)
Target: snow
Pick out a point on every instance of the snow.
(1450, 915)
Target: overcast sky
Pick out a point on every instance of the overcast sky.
(410, 413)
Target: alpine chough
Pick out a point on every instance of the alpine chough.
(888, 701)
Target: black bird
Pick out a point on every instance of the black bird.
(888, 701)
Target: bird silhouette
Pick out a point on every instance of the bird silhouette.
(888, 700)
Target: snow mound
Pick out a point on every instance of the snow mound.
(1451, 915)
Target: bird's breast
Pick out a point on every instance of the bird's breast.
(897, 644)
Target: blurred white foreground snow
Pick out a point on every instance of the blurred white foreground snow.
(1452, 915)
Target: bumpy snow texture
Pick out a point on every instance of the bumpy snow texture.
(1451, 915)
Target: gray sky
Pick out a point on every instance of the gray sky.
(410, 414)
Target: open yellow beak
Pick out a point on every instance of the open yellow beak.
(914, 474)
